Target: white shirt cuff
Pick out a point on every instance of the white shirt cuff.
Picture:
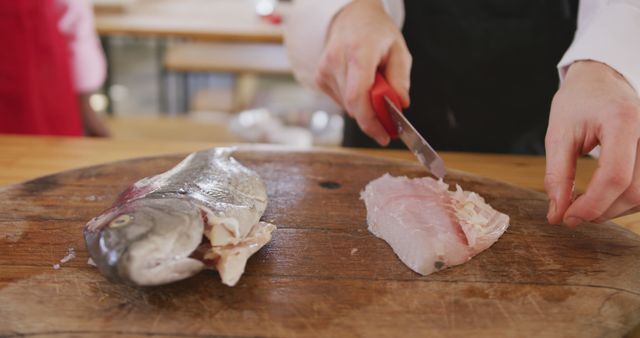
(305, 35)
(306, 31)
(612, 36)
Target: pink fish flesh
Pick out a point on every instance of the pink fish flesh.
(203, 213)
(429, 227)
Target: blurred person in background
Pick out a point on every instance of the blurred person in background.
(51, 62)
(482, 77)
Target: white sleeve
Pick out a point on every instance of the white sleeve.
(608, 32)
(306, 28)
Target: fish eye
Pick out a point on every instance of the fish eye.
(121, 220)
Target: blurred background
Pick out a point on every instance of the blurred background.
(205, 70)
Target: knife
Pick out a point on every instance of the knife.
(386, 104)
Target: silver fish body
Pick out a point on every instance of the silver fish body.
(153, 234)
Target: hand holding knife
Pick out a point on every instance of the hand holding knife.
(386, 104)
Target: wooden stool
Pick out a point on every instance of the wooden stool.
(244, 60)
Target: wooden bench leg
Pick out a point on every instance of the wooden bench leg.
(160, 48)
(245, 86)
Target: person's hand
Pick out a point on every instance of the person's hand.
(93, 125)
(594, 106)
(361, 39)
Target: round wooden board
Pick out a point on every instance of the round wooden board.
(323, 274)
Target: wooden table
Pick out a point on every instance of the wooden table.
(322, 274)
(111, 6)
(245, 61)
(218, 57)
(212, 20)
(25, 157)
(171, 129)
(219, 20)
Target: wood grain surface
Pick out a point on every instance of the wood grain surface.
(258, 58)
(323, 274)
(111, 6)
(213, 20)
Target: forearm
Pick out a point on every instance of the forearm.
(93, 124)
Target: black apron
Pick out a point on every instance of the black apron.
(484, 72)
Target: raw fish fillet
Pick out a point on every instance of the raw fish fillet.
(429, 227)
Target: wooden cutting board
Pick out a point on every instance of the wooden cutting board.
(323, 274)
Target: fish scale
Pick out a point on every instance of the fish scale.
(149, 235)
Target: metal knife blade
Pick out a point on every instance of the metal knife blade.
(415, 142)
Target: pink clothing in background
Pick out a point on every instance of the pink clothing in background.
(87, 59)
(37, 94)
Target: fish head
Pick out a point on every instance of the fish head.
(147, 241)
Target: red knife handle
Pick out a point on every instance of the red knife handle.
(380, 89)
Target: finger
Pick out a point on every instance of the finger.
(331, 73)
(327, 87)
(361, 71)
(397, 71)
(612, 177)
(561, 154)
(370, 125)
(630, 198)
